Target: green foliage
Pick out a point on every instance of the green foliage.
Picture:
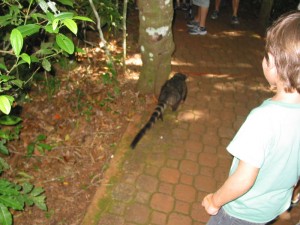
(37, 38)
(38, 144)
(34, 34)
(107, 10)
(13, 196)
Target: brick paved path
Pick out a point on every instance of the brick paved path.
(183, 158)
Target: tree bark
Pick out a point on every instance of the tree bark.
(156, 43)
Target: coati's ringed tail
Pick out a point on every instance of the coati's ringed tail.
(172, 93)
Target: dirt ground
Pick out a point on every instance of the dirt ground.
(83, 121)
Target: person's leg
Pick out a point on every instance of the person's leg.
(224, 219)
(235, 7)
(217, 5)
(198, 16)
(201, 18)
(203, 15)
(215, 13)
(195, 22)
(200, 29)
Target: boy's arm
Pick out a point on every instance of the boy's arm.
(235, 186)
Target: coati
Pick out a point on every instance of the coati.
(172, 93)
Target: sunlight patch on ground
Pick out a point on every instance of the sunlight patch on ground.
(134, 60)
(180, 63)
(237, 34)
(190, 115)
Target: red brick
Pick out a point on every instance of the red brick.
(198, 213)
(137, 213)
(182, 207)
(208, 159)
(172, 163)
(192, 156)
(180, 134)
(147, 183)
(204, 183)
(211, 140)
(189, 167)
(194, 146)
(179, 219)
(169, 175)
(162, 202)
(186, 179)
(166, 188)
(185, 193)
(158, 218)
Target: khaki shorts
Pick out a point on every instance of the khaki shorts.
(201, 3)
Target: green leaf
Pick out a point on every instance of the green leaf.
(46, 65)
(83, 18)
(18, 82)
(5, 215)
(30, 149)
(41, 137)
(43, 5)
(66, 2)
(16, 41)
(34, 59)
(27, 188)
(5, 78)
(49, 29)
(3, 67)
(64, 15)
(26, 58)
(37, 191)
(45, 146)
(38, 15)
(29, 29)
(54, 24)
(5, 20)
(4, 134)
(65, 43)
(39, 201)
(5, 105)
(71, 25)
(7, 188)
(44, 51)
(80, 50)
(3, 148)
(50, 16)
(10, 120)
(3, 165)
(11, 202)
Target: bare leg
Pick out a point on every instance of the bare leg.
(203, 15)
(235, 7)
(198, 16)
(217, 5)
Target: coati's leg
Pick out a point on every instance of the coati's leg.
(184, 97)
(175, 107)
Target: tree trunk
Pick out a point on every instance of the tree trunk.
(156, 43)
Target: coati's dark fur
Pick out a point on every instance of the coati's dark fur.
(172, 93)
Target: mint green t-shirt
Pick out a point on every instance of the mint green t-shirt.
(269, 139)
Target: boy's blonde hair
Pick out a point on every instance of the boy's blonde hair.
(283, 42)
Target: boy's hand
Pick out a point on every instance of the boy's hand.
(208, 204)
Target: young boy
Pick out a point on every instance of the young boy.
(266, 149)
